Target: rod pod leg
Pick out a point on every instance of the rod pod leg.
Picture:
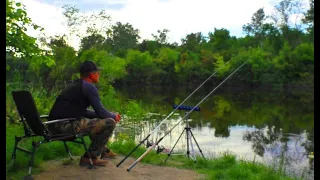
(174, 146)
(196, 143)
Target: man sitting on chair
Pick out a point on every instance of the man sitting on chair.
(99, 124)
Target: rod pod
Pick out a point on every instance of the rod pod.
(151, 147)
(177, 107)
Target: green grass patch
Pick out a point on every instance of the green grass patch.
(226, 166)
(222, 167)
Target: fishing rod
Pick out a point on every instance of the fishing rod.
(152, 146)
(169, 115)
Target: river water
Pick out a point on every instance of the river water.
(275, 127)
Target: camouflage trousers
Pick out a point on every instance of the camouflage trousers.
(99, 131)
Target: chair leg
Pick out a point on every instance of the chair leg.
(68, 150)
(85, 147)
(16, 141)
(31, 162)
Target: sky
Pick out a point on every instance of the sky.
(181, 17)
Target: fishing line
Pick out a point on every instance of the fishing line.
(151, 147)
(170, 114)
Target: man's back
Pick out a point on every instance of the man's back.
(71, 102)
(74, 100)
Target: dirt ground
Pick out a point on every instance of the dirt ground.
(55, 170)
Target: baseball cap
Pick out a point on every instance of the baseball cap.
(88, 66)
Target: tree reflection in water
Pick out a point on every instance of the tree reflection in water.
(283, 150)
(282, 120)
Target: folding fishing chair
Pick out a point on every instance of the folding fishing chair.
(33, 126)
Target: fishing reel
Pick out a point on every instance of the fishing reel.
(149, 144)
(159, 149)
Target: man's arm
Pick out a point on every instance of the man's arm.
(90, 114)
(94, 99)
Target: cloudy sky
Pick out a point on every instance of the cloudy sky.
(179, 16)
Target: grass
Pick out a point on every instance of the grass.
(224, 167)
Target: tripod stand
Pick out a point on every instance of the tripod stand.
(189, 135)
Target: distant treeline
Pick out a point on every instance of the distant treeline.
(277, 51)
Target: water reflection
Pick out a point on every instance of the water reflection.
(261, 138)
(273, 127)
(282, 150)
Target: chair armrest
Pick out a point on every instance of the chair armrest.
(60, 120)
(44, 116)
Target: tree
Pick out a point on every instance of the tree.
(192, 41)
(255, 28)
(123, 37)
(221, 65)
(309, 19)
(220, 42)
(151, 46)
(95, 24)
(18, 43)
(292, 35)
(93, 41)
(165, 62)
(272, 38)
(162, 37)
(284, 10)
(113, 67)
(66, 62)
(140, 66)
(220, 39)
(257, 20)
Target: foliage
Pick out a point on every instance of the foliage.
(18, 43)
(123, 38)
(278, 53)
(112, 67)
(139, 66)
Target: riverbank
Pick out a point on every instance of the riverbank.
(223, 167)
(57, 170)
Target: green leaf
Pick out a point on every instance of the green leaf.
(35, 27)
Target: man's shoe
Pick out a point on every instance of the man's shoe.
(96, 162)
(110, 154)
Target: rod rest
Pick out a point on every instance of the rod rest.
(187, 108)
